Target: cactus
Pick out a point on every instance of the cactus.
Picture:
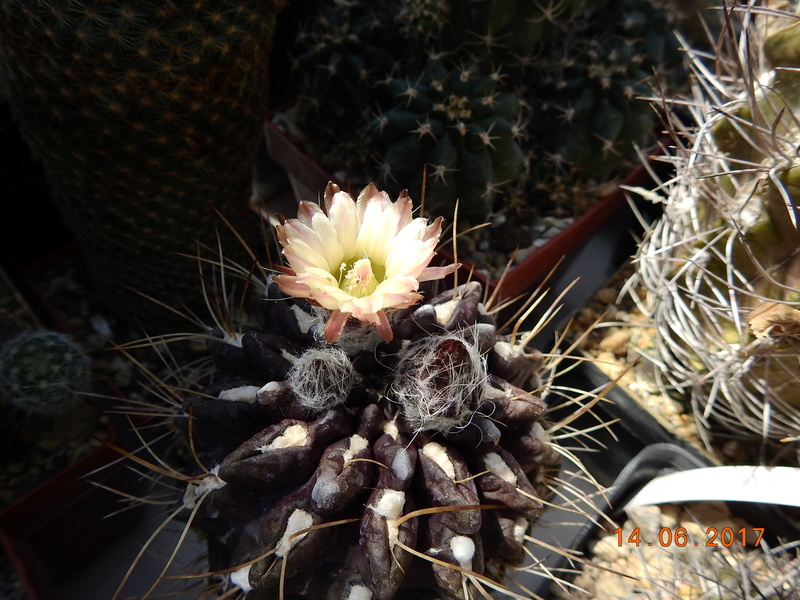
(588, 95)
(720, 267)
(340, 56)
(144, 115)
(42, 372)
(508, 34)
(361, 464)
(458, 127)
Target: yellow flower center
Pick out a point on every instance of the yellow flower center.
(359, 279)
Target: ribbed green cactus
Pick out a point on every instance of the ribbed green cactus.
(586, 95)
(721, 267)
(458, 126)
(511, 34)
(580, 67)
(144, 115)
(42, 372)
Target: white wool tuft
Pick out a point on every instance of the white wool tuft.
(390, 504)
(391, 429)
(298, 521)
(495, 463)
(521, 528)
(463, 549)
(293, 436)
(241, 578)
(446, 310)
(438, 454)
(244, 393)
(359, 592)
(321, 378)
(357, 444)
(199, 487)
(305, 321)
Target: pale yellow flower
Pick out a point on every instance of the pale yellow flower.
(358, 258)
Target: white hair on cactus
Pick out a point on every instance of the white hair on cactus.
(463, 549)
(196, 488)
(322, 377)
(243, 393)
(357, 444)
(495, 463)
(390, 504)
(298, 521)
(438, 454)
(241, 578)
(359, 592)
(292, 437)
(439, 383)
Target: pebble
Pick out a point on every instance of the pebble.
(616, 342)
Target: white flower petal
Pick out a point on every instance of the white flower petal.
(344, 218)
(329, 240)
(306, 211)
(300, 256)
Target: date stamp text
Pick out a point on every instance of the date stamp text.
(679, 536)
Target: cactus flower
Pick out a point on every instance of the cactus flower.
(358, 258)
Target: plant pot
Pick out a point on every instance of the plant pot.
(308, 179)
(63, 522)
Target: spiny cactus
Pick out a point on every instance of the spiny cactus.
(457, 126)
(406, 456)
(721, 267)
(340, 55)
(144, 115)
(587, 96)
(42, 372)
(508, 34)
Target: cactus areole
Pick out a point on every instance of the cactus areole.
(391, 460)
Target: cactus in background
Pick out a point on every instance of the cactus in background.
(42, 372)
(508, 34)
(457, 126)
(586, 95)
(342, 53)
(566, 77)
(144, 115)
(721, 267)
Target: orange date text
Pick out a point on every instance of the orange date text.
(714, 538)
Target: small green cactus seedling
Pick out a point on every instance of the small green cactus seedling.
(41, 372)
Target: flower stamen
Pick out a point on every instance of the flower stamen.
(360, 280)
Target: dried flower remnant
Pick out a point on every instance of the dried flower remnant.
(358, 258)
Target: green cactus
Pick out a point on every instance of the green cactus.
(144, 115)
(721, 267)
(508, 34)
(42, 372)
(457, 126)
(547, 87)
(340, 56)
(586, 95)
